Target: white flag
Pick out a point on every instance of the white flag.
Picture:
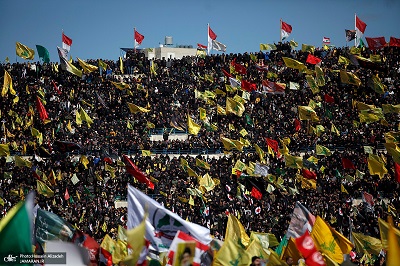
(294, 86)
(162, 224)
(218, 46)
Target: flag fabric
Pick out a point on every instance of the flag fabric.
(297, 125)
(136, 241)
(211, 37)
(235, 107)
(393, 258)
(384, 232)
(202, 164)
(307, 48)
(329, 99)
(201, 46)
(121, 65)
(325, 241)
(309, 174)
(368, 199)
(289, 62)
(230, 144)
(397, 171)
(43, 189)
(138, 38)
(87, 68)
(121, 85)
(294, 85)
(322, 150)
(367, 244)
(360, 29)
(103, 65)
(326, 40)
(41, 110)
(347, 163)
(274, 145)
(162, 224)
(394, 42)
(248, 86)
(307, 113)
(273, 87)
(66, 65)
(193, 128)
(4, 149)
(376, 43)
(295, 162)
(66, 42)
(313, 59)
(24, 51)
(132, 169)
(350, 35)
(16, 228)
(256, 193)
(218, 46)
(286, 30)
(43, 53)
(305, 245)
(349, 78)
(49, 226)
(133, 108)
(182, 237)
(7, 84)
(301, 221)
(85, 117)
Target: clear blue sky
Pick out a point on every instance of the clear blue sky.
(99, 28)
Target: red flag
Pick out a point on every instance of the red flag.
(228, 75)
(286, 27)
(394, 42)
(397, 171)
(105, 257)
(326, 40)
(305, 244)
(274, 145)
(56, 88)
(297, 124)
(138, 37)
(200, 46)
(329, 99)
(238, 173)
(347, 164)
(375, 43)
(272, 87)
(313, 59)
(66, 194)
(108, 160)
(240, 69)
(360, 25)
(315, 259)
(66, 42)
(211, 34)
(248, 86)
(42, 111)
(256, 193)
(134, 170)
(309, 174)
(368, 198)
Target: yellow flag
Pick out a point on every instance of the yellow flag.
(289, 62)
(202, 164)
(4, 150)
(393, 245)
(367, 244)
(256, 249)
(120, 251)
(343, 60)
(136, 241)
(103, 65)
(390, 108)
(121, 65)
(87, 68)
(293, 161)
(85, 117)
(137, 109)
(146, 153)
(78, 119)
(392, 136)
(349, 78)
(191, 200)
(121, 85)
(322, 150)
(230, 144)
(84, 161)
(184, 164)
(312, 83)
(20, 162)
(193, 128)
(260, 153)
(343, 189)
(325, 241)
(307, 48)
(7, 84)
(291, 250)
(203, 114)
(376, 84)
(24, 51)
(243, 132)
(384, 232)
(335, 130)
(108, 243)
(344, 243)
(232, 253)
(104, 228)
(307, 113)
(43, 189)
(236, 232)
(234, 107)
(376, 167)
(393, 150)
(319, 76)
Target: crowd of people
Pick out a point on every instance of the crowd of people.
(168, 92)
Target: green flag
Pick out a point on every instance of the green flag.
(43, 53)
(16, 229)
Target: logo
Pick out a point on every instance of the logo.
(308, 243)
(10, 258)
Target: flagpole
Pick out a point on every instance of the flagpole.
(355, 27)
(134, 40)
(280, 30)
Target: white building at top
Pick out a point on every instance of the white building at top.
(169, 51)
